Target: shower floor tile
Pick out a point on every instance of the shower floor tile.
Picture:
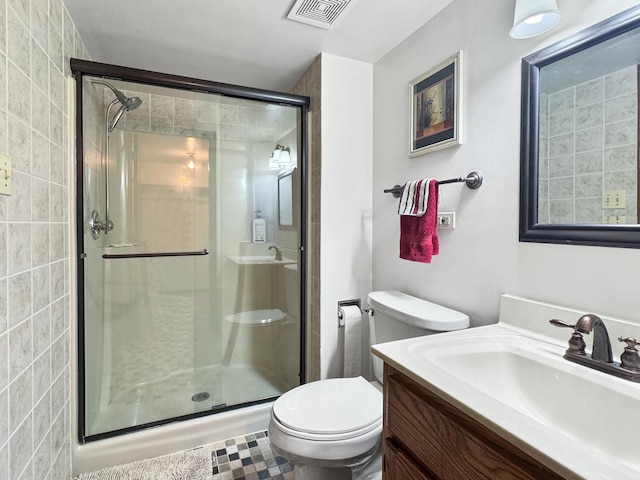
(248, 458)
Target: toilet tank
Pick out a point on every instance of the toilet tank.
(395, 315)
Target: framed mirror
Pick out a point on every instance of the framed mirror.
(285, 199)
(579, 137)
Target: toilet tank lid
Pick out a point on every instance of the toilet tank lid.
(417, 312)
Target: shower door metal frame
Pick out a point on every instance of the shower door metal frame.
(81, 68)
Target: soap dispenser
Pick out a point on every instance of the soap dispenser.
(259, 228)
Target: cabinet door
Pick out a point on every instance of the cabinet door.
(399, 466)
(446, 442)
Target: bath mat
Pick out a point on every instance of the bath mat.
(189, 465)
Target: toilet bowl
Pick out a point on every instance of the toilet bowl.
(334, 423)
(331, 429)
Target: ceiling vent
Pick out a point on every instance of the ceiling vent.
(320, 13)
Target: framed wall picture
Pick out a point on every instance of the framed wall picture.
(436, 107)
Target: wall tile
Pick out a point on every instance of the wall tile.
(20, 398)
(40, 244)
(4, 360)
(19, 291)
(40, 22)
(19, 91)
(39, 67)
(39, 200)
(20, 448)
(620, 158)
(620, 83)
(3, 30)
(19, 136)
(4, 418)
(620, 133)
(21, 9)
(35, 36)
(3, 256)
(590, 92)
(42, 380)
(561, 166)
(18, 43)
(19, 247)
(589, 116)
(20, 348)
(42, 457)
(623, 107)
(41, 279)
(561, 145)
(3, 315)
(4, 461)
(19, 203)
(561, 101)
(588, 162)
(40, 157)
(589, 139)
(3, 80)
(39, 111)
(41, 325)
(55, 48)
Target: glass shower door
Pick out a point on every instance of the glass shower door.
(182, 313)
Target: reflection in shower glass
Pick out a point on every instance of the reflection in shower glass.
(182, 313)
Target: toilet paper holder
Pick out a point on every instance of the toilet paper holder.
(348, 303)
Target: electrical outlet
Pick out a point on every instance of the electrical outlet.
(5, 175)
(614, 219)
(614, 199)
(447, 220)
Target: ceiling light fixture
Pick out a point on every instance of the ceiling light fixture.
(534, 17)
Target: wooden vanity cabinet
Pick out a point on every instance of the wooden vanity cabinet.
(427, 438)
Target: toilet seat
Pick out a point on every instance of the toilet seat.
(327, 410)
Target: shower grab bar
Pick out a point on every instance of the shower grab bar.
(109, 256)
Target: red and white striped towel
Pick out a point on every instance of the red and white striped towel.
(414, 198)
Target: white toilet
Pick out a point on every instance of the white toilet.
(331, 429)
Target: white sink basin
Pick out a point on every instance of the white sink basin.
(581, 422)
(260, 260)
(531, 377)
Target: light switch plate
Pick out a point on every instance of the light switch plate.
(614, 199)
(5, 175)
(447, 220)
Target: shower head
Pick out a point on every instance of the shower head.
(126, 105)
(129, 103)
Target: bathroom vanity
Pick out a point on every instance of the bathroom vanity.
(427, 438)
(502, 401)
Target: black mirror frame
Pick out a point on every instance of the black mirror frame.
(573, 234)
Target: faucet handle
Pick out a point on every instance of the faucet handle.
(630, 359)
(576, 342)
(631, 342)
(560, 323)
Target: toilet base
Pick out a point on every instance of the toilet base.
(366, 467)
(313, 472)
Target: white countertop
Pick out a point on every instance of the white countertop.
(574, 454)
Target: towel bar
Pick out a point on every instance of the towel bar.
(473, 181)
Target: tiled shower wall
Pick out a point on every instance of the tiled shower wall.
(37, 38)
(309, 85)
(589, 146)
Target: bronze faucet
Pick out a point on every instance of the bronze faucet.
(278, 253)
(601, 357)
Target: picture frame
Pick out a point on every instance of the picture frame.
(436, 107)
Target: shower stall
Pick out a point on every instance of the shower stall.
(180, 312)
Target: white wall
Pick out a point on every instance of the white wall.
(347, 92)
(482, 258)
